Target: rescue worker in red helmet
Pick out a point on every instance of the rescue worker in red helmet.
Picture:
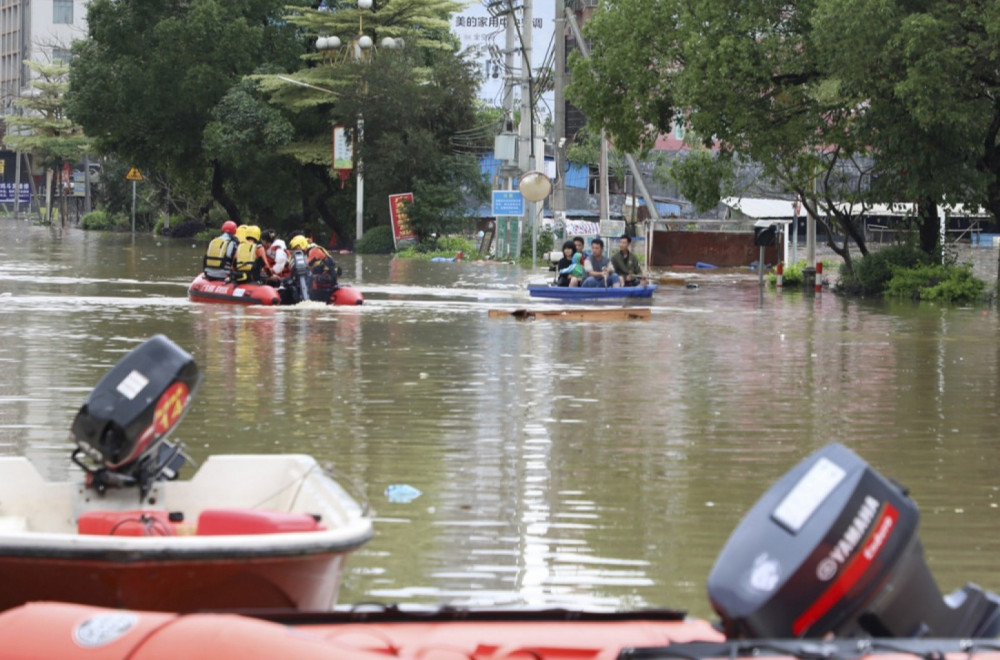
(218, 261)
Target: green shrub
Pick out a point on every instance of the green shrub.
(873, 272)
(176, 221)
(377, 240)
(97, 220)
(936, 282)
(545, 244)
(792, 275)
(445, 246)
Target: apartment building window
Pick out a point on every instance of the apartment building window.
(62, 11)
(61, 55)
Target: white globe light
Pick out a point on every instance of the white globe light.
(322, 43)
(332, 42)
(388, 42)
(535, 186)
(364, 4)
(365, 42)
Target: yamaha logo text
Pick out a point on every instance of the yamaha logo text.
(830, 564)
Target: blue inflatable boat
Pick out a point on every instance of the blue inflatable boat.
(583, 293)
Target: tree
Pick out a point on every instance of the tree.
(148, 77)
(414, 100)
(926, 75)
(42, 128)
(756, 80)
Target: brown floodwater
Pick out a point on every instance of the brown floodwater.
(559, 463)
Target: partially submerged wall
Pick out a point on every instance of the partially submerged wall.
(718, 248)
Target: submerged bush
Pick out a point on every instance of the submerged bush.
(445, 246)
(102, 220)
(937, 282)
(792, 275)
(377, 240)
(873, 272)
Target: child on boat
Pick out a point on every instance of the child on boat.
(574, 271)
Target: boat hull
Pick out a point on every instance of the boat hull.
(583, 293)
(59, 630)
(205, 290)
(229, 543)
(297, 582)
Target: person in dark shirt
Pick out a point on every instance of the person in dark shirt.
(626, 263)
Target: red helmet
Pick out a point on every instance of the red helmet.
(229, 227)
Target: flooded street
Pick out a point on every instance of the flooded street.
(560, 463)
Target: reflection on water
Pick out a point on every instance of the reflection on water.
(561, 463)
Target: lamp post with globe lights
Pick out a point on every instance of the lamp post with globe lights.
(361, 45)
(534, 186)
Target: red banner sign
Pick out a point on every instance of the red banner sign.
(401, 229)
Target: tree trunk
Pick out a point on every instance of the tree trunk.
(219, 193)
(928, 226)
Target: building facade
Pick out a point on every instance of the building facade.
(37, 30)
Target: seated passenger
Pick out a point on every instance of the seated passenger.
(218, 260)
(278, 265)
(568, 250)
(574, 271)
(626, 263)
(598, 268)
(250, 258)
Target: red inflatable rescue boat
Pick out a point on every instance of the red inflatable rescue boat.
(205, 290)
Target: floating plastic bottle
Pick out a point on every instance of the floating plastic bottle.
(402, 493)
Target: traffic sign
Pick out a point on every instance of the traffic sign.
(134, 175)
(507, 202)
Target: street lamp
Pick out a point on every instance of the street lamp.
(361, 44)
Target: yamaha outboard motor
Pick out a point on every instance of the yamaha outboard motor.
(123, 425)
(301, 278)
(833, 548)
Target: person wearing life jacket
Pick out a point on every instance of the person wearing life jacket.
(324, 272)
(278, 257)
(250, 259)
(218, 261)
(298, 285)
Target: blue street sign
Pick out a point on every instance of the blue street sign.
(507, 202)
(7, 193)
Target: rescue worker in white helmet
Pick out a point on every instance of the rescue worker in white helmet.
(278, 264)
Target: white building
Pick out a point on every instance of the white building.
(37, 30)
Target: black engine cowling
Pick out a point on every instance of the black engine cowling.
(833, 548)
(124, 422)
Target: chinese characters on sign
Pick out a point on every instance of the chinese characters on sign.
(7, 193)
(343, 153)
(401, 228)
(482, 38)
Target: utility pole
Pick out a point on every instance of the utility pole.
(559, 116)
(526, 143)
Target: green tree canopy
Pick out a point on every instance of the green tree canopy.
(413, 98)
(42, 127)
(802, 90)
(146, 81)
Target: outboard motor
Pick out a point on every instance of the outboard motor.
(301, 277)
(123, 425)
(833, 548)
